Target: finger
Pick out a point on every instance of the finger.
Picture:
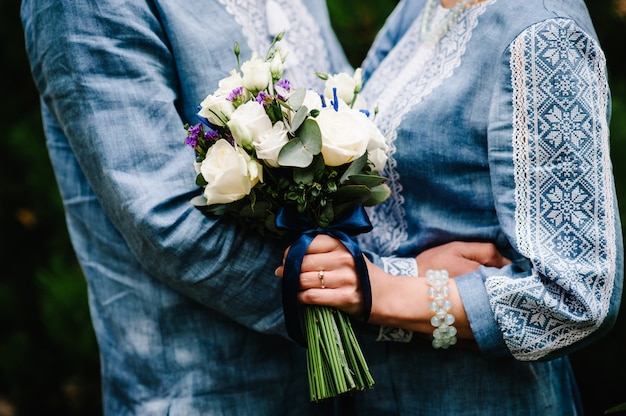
(323, 243)
(315, 280)
(327, 261)
(341, 298)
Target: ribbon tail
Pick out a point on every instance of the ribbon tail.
(361, 269)
(291, 287)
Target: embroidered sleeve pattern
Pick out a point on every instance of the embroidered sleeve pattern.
(563, 192)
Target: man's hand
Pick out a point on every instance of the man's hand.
(460, 257)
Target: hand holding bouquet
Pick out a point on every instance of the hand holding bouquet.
(295, 163)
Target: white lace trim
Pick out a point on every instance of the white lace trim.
(305, 54)
(563, 190)
(409, 73)
(391, 334)
(400, 266)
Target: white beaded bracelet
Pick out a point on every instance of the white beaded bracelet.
(444, 334)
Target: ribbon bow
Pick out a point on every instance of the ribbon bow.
(355, 223)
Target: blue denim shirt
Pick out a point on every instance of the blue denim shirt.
(498, 132)
(186, 309)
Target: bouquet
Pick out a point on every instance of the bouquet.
(295, 163)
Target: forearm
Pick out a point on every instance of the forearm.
(403, 302)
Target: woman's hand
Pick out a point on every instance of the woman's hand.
(328, 277)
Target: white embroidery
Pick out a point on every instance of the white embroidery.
(400, 266)
(408, 74)
(563, 190)
(391, 334)
(305, 53)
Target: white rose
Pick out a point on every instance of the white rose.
(344, 135)
(226, 85)
(345, 87)
(268, 144)
(312, 100)
(216, 108)
(377, 146)
(226, 170)
(248, 122)
(257, 74)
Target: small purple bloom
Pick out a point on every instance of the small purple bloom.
(285, 84)
(234, 94)
(193, 133)
(191, 141)
(263, 98)
(211, 136)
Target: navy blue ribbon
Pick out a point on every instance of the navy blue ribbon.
(342, 229)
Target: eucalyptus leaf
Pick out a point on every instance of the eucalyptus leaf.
(305, 175)
(295, 154)
(311, 136)
(296, 98)
(299, 118)
(356, 167)
(379, 194)
(199, 201)
(299, 151)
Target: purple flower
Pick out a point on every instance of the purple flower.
(234, 94)
(193, 133)
(211, 136)
(285, 84)
(263, 98)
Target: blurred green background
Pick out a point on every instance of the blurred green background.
(48, 353)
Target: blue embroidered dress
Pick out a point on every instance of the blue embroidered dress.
(187, 310)
(498, 132)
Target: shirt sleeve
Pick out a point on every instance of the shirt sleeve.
(555, 198)
(108, 77)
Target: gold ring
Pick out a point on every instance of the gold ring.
(320, 274)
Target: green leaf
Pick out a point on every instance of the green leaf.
(299, 118)
(355, 168)
(311, 136)
(258, 210)
(300, 150)
(199, 201)
(368, 180)
(326, 216)
(354, 194)
(616, 409)
(296, 98)
(379, 194)
(200, 181)
(295, 154)
(306, 175)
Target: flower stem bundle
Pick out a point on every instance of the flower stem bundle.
(335, 362)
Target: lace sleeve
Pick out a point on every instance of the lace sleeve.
(565, 219)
